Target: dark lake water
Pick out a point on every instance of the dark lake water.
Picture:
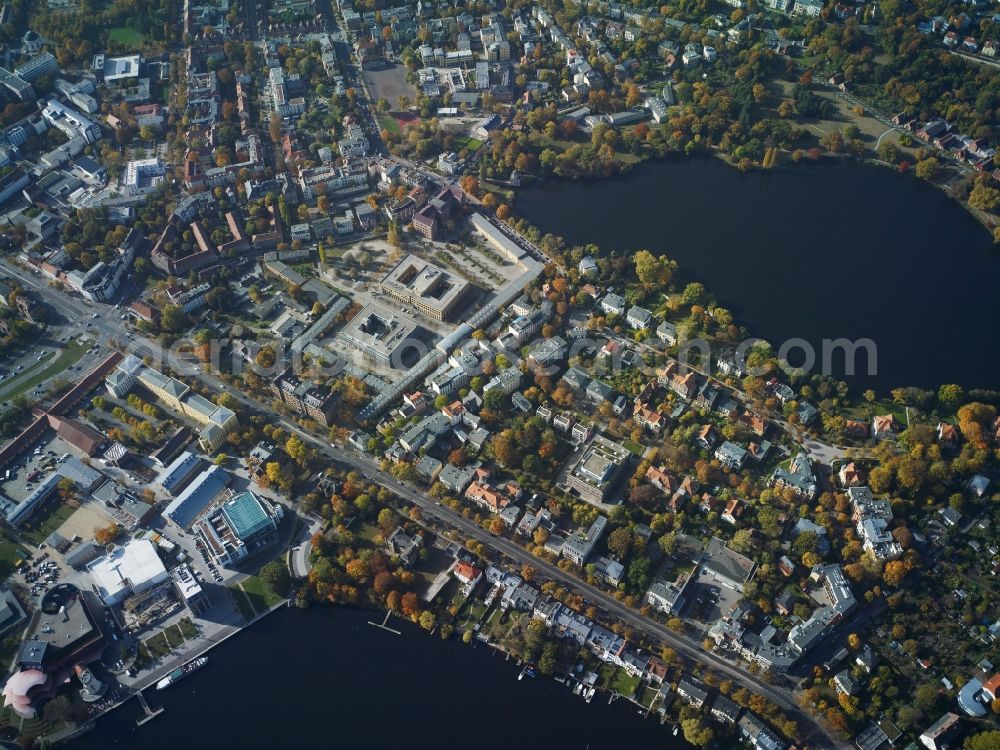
(325, 678)
(812, 251)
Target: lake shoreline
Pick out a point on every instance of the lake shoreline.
(851, 232)
(352, 662)
(625, 169)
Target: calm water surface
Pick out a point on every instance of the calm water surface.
(325, 678)
(812, 251)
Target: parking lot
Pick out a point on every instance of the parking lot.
(39, 575)
(709, 599)
(33, 467)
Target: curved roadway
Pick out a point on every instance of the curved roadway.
(112, 328)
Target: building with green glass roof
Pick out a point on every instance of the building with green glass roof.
(238, 525)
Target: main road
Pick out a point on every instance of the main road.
(112, 328)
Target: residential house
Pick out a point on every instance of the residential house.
(613, 304)
(639, 318)
(756, 423)
(684, 385)
(706, 437)
(751, 727)
(693, 691)
(734, 511)
(725, 709)
(850, 475)
(731, 455)
(404, 546)
(856, 428)
(668, 598)
(608, 570)
(667, 333)
(799, 477)
(654, 421)
(939, 735)
(947, 434)
(661, 479)
(469, 575)
(884, 426)
(979, 485)
(580, 544)
(491, 498)
(844, 683)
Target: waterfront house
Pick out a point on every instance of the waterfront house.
(468, 574)
(725, 709)
(404, 546)
(693, 691)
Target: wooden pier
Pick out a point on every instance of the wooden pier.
(150, 713)
(383, 625)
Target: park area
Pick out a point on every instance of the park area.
(125, 36)
(396, 122)
(47, 519)
(164, 643)
(469, 144)
(253, 597)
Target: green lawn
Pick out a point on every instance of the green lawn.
(50, 517)
(635, 448)
(624, 683)
(475, 609)
(158, 646)
(605, 676)
(174, 636)
(243, 603)
(387, 122)
(260, 598)
(647, 695)
(125, 35)
(46, 370)
(188, 629)
(26, 727)
(10, 551)
(9, 647)
(470, 144)
(143, 657)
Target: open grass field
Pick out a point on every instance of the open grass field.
(390, 123)
(243, 603)
(158, 646)
(125, 35)
(258, 595)
(635, 448)
(188, 629)
(46, 520)
(469, 144)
